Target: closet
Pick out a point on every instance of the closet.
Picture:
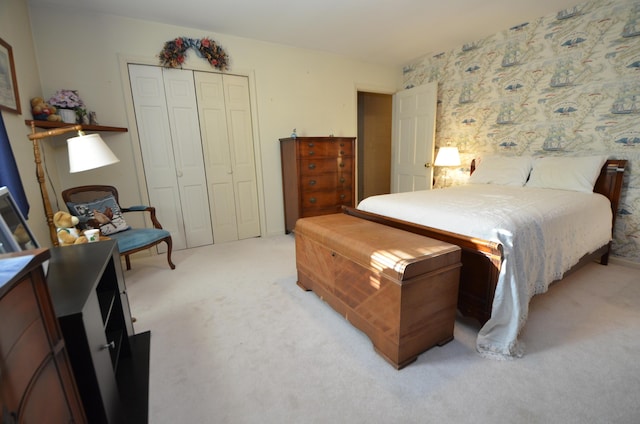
(196, 140)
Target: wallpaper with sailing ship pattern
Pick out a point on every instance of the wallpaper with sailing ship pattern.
(564, 84)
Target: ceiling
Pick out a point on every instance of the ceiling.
(392, 32)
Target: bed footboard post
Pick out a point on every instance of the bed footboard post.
(604, 259)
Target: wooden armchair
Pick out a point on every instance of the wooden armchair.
(94, 206)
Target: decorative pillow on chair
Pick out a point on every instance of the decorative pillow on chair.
(102, 213)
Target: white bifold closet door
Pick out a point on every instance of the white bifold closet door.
(174, 141)
(227, 137)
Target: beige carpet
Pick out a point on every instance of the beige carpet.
(234, 340)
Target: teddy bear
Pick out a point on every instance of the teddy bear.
(43, 111)
(65, 227)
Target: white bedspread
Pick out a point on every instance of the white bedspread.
(544, 233)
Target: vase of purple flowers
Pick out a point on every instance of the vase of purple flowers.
(68, 102)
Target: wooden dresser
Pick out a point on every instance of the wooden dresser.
(36, 380)
(318, 176)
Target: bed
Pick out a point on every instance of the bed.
(522, 223)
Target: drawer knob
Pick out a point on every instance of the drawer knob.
(341, 152)
(312, 166)
(341, 164)
(312, 200)
(311, 153)
(341, 144)
(111, 345)
(342, 180)
(312, 182)
(342, 197)
(311, 144)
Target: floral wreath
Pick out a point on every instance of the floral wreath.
(174, 52)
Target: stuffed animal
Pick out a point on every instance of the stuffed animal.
(65, 227)
(43, 111)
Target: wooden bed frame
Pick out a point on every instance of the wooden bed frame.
(481, 259)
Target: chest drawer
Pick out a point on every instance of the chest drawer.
(313, 148)
(23, 361)
(18, 310)
(319, 166)
(323, 199)
(320, 182)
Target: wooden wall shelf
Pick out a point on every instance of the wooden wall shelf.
(48, 125)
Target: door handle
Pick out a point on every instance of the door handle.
(427, 165)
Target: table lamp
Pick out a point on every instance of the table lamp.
(447, 156)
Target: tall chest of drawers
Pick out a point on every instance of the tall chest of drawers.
(318, 175)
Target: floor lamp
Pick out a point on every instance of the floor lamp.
(447, 156)
(85, 152)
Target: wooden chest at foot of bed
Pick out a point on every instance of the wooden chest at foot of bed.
(399, 288)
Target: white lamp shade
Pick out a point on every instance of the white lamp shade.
(447, 156)
(89, 152)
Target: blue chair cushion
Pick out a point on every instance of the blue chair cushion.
(135, 238)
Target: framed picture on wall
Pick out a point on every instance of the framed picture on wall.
(9, 98)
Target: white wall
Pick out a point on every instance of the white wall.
(312, 91)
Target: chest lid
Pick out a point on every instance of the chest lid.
(399, 254)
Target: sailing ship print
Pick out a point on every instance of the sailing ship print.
(512, 55)
(554, 140)
(625, 104)
(506, 114)
(466, 94)
(563, 75)
(568, 13)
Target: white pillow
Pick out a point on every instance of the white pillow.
(566, 173)
(505, 170)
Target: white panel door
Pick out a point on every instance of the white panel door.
(414, 124)
(238, 106)
(227, 135)
(217, 157)
(150, 106)
(187, 147)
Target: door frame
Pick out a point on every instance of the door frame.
(365, 88)
(124, 61)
